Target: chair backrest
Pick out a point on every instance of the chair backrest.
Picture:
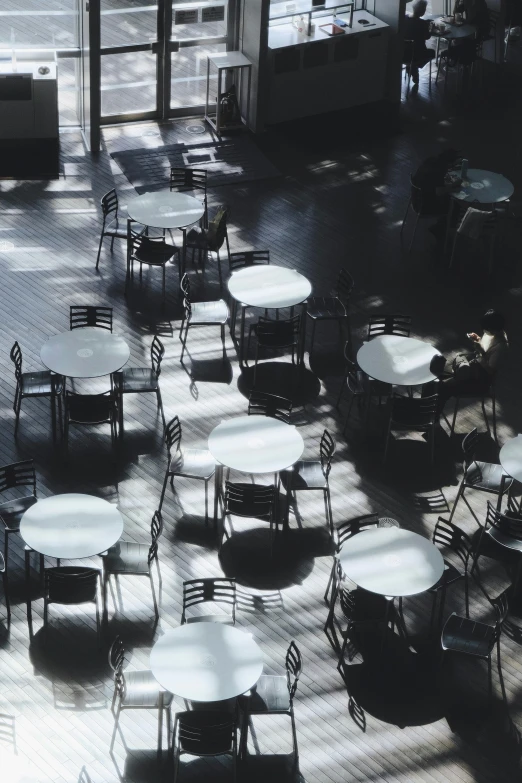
(437, 365)
(251, 500)
(16, 357)
(417, 198)
(18, 474)
(71, 584)
(248, 258)
(278, 333)
(183, 179)
(117, 662)
(449, 536)
(469, 446)
(294, 667)
(217, 228)
(90, 408)
(156, 529)
(344, 286)
(389, 324)
(2, 564)
(200, 591)
(109, 204)
(424, 410)
(326, 451)
(501, 605)
(157, 352)
(173, 435)
(185, 290)
(90, 315)
(206, 732)
(264, 404)
(351, 527)
(508, 524)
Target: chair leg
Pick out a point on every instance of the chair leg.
(153, 591)
(460, 493)
(414, 232)
(206, 503)
(455, 410)
(312, 336)
(163, 490)
(223, 341)
(116, 723)
(404, 218)
(331, 583)
(99, 251)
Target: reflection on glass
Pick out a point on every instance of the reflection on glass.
(189, 76)
(128, 83)
(51, 24)
(125, 22)
(199, 20)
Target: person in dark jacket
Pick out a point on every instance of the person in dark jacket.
(430, 177)
(416, 32)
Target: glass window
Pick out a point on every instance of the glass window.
(189, 76)
(128, 83)
(52, 24)
(125, 22)
(199, 20)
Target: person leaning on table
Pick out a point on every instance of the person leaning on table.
(417, 30)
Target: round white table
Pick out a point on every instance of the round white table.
(206, 662)
(484, 187)
(268, 287)
(253, 444)
(510, 458)
(391, 562)
(72, 526)
(85, 353)
(401, 361)
(167, 210)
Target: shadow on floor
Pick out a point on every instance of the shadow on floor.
(283, 379)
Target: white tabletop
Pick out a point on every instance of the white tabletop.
(511, 457)
(453, 32)
(165, 209)
(402, 361)
(85, 353)
(391, 561)
(230, 60)
(206, 661)
(483, 186)
(255, 444)
(71, 526)
(269, 286)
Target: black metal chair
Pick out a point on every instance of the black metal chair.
(362, 611)
(379, 325)
(414, 414)
(187, 463)
(210, 240)
(128, 558)
(277, 335)
(137, 690)
(416, 202)
(360, 387)
(140, 380)
(91, 410)
(153, 252)
(70, 586)
(204, 733)
(5, 585)
(341, 534)
(478, 391)
(468, 637)
(250, 500)
(503, 533)
(185, 180)
(220, 591)
(311, 475)
(274, 695)
(81, 316)
(12, 477)
(201, 314)
(35, 384)
(265, 404)
(451, 539)
(332, 308)
(240, 260)
(480, 476)
(112, 226)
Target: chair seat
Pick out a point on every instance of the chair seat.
(269, 695)
(142, 690)
(486, 476)
(138, 379)
(467, 636)
(97, 410)
(274, 341)
(404, 415)
(450, 575)
(193, 463)
(304, 475)
(197, 238)
(510, 542)
(155, 253)
(115, 228)
(36, 384)
(12, 511)
(225, 619)
(324, 308)
(209, 312)
(127, 557)
(368, 608)
(210, 742)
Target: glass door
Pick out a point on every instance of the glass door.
(153, 55)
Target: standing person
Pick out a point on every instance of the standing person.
(430, 178)
(418, 31)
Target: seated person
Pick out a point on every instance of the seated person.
(417, 30)
(430, 178)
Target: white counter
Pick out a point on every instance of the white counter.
(283, 35)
